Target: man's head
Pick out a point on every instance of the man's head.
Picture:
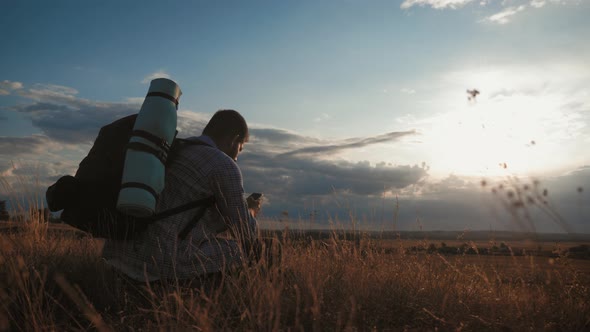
(229, 131)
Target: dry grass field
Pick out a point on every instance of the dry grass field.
(55, 280)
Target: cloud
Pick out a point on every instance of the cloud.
(408, 91)
(54, 94)
(280, 136)
(436, 4)
(28, 165)
(62, 116)
(322, 117)
(41, 172)
(353, 143)
(293, 170)
(191, 123)
(285, 164)
(509, 7)
(456, 203)
(74, 125)
(505, 15)
(134, 100)
(17, 146)
(24, 182)
(6, 87)
(302, 176)
(532, 90)
(152, 76)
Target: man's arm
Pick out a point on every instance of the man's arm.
(228, 190)
(254, 204)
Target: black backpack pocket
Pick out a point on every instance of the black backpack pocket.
(63, 194)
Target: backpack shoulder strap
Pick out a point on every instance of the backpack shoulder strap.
(203, 202)
(179, 143)
(191, 142)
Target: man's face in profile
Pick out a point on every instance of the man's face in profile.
(236, 148)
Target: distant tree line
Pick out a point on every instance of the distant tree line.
(34, 214)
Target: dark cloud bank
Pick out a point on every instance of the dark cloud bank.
(303, 177)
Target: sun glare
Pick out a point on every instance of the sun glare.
(492, 134)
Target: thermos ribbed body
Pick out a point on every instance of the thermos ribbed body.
(144, 169)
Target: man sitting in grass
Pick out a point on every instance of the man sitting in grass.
(191, 244)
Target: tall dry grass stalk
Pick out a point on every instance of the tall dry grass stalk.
(58, 282)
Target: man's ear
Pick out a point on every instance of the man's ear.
(236, 140)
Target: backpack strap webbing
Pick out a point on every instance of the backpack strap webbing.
(164, 95)
(203, 202)
(143, 186)
(138, 146)
(156, 140)
(192, 142)
(193, 222)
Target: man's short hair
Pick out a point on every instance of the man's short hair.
(226, 123)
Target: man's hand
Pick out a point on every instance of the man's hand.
(254, 204)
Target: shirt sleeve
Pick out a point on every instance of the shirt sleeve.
(227, 186)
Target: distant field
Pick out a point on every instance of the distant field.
(532, 244)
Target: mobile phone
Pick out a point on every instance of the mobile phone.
(256, 196)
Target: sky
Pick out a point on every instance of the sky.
(358, 110)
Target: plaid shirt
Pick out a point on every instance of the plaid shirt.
(198, 171)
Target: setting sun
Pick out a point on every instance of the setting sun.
(516, 125)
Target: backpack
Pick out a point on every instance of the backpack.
(89, 198)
